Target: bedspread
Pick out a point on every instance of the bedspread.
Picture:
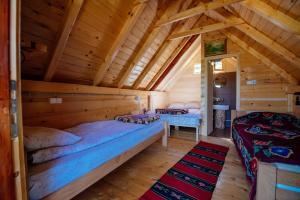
(268, 137)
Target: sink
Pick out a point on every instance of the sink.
(221, 107)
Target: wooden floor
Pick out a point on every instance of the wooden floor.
(136, 176)
(224, 133)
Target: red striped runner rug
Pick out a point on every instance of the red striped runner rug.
(193, 177)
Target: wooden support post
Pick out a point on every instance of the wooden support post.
(6, 169)
(166, 134)
(63, 36)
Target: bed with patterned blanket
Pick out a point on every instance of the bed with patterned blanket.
(266, 137)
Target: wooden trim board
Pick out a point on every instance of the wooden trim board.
(53, 87)
(87, 180)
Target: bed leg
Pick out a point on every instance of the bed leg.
(197, 133)
(166, 134)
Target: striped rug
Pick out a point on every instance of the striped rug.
(193, 177)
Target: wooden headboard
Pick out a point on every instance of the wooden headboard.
(80, 103)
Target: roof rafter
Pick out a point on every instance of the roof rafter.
(208, 28)
(187, 25)
(171, 62)
(261, 57)
(262, 39)
(62, 39)
(173, 8)
(116, 46)
(201, 8)
(275, 16)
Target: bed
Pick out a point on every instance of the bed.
(86, 163)
(183, 120)
(269, 147)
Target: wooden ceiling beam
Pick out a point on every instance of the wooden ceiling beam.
(62, 39)
(275, 16)
(173, 8)
(116, 46)
(166, 44)
(200, 9)
(261, 57)
(209, 28)
(171, 62)
(262, 39)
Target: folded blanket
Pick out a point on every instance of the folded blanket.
(172, 111)
(138, 119)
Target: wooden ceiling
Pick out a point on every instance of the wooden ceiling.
(133, 44)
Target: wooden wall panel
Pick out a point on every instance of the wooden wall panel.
(41, 21)
(187, 86)
(79, 103)
(269, 92)
(6, 166)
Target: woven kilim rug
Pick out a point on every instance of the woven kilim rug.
(193, 177)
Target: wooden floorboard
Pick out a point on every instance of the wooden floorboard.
(137, 175)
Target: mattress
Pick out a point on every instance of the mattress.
(267, 137)
(189, 120)
(50, 176)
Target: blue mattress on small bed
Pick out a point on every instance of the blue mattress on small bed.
(189, 120)
(50, 176)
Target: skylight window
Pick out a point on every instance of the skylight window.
(197, 68)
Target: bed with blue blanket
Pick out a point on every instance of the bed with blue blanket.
(101, 142)
(182, 118)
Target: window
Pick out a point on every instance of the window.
(218, 65)
(197, 68)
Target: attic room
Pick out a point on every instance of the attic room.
(150, 99)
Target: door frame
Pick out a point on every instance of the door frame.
(6, 168)
(208, 109)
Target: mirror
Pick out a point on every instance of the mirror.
(220, 81)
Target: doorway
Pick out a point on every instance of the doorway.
(222, 93)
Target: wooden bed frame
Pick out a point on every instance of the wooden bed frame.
(74, 188)
(275, 180)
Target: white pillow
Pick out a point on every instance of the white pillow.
(192, 105)
(177, 106)
(194, 111)
(42, 137)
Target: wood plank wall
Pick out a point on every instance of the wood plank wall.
(80, 103)
(269, 92)
(187, 86)
(6, 168)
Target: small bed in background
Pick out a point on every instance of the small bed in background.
(182, 115)
(269, 147)
(61, 172)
